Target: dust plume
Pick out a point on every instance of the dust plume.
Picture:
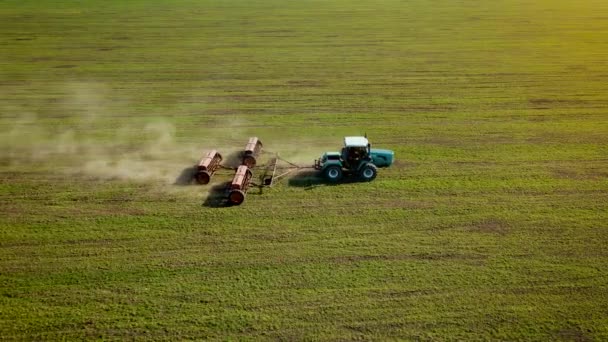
(89, 133)
(88, 139)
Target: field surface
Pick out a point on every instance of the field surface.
(491, 225)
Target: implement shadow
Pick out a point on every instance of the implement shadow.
(186, 176)
(233, 160)
(216, 198)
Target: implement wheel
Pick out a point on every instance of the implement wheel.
(368, 172)
(333, 173)
(203, 177)
(236, 197)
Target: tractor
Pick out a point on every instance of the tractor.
(357, 158)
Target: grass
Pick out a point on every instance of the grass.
(490, 226)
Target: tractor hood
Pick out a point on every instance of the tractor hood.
(330, 156)
(381, 157)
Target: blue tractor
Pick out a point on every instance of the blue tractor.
(357, 158)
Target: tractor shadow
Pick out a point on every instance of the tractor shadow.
(312, 179)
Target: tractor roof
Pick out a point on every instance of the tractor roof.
(355, 141)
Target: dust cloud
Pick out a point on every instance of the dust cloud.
(89, 140)
(89, 135)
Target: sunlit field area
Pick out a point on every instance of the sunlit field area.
(492, 224)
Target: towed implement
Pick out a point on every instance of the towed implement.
(356, 158)
(243, 178)
(239, 185)
(252, 150)
(208, 165)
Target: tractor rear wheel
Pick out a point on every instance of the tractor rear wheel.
(333, 173)
(368, 172)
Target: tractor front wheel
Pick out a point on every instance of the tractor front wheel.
(333, 173)
(368, 172)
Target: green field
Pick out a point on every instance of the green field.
(491, 225)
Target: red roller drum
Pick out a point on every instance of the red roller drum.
(207, 167)
(252, 149)
(239, 185)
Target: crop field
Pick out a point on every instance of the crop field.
(491, 225)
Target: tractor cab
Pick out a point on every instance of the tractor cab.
(355, 150)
